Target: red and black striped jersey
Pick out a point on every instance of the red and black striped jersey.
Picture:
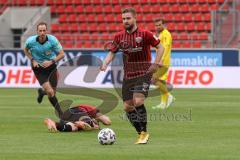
(136, 51)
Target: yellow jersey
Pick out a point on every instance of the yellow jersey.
(166, 41)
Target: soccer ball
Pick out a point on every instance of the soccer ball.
(106, 136)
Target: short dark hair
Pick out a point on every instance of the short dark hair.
(41, 23)
(159, 19)
(129, 10)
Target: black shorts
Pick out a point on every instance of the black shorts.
(135, 85)
(47, 75)
(73, 114)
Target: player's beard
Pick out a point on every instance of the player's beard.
(129, 27)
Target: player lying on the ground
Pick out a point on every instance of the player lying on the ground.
(81, 117)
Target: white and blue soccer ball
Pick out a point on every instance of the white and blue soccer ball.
(106, 136)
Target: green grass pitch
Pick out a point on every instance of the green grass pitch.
(203, 124)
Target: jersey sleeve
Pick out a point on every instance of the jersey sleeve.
(115, 47)
(56, 45)
(152, 39)
(27, 44)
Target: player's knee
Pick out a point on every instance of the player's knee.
(138, 101)
(50, 92)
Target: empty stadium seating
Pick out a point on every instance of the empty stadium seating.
(89, 23)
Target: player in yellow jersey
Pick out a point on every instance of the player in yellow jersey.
(161, 75)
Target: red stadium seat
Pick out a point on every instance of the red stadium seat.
(211, 1)
(117, 9)
(146, 9)
(59, 2)
(90, 18)
(79, 9)
(209, 27)
(202, 1)
(72, 18)
(68, 2)
(188, 17)
(79, 44)
(88, 44)
(98, 9)
(83, 28)
(190, 27)
(110, 18)
(192, 2)
(178, 17)
(171, 26)
(39, 2)
(168, 17)
(200, 27)
(74, 27)
(180, 27)
(183, 36)
(198, 17)
(204, 8)
(81, 18)
(68, 45)
(53, 9)
(156, 9)
(100, 18)
(88, 9)
(92, 27)
(165, 9)
(107, 9)
(182, 1)
(214, 7)
(195, 8)
(138, 8)
(102, 27)
(60, 9)
(76, 2)
(70, 9)
(207, 17)
(64, 27)
(172, 1)
(177, 45)
(148, 18)
(124, 2)
(54, 27)
(196, 44)
(175, 8)
(63, 18)
(184, 8)
(86, 2)
(186, 45)
(203, 36)
(96, 2)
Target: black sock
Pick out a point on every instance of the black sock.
(142, 114)
(63, 127)
(44, 92)
(133, 118)
(55, 104)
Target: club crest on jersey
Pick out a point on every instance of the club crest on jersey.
(138, 39)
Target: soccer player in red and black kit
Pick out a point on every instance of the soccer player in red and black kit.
(81, 117)
(135, 43)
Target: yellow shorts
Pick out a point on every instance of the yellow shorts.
(161, 74)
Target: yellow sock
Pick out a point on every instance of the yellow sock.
(163, 91)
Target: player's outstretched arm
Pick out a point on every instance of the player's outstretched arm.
(103, 118)
(107, 61)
